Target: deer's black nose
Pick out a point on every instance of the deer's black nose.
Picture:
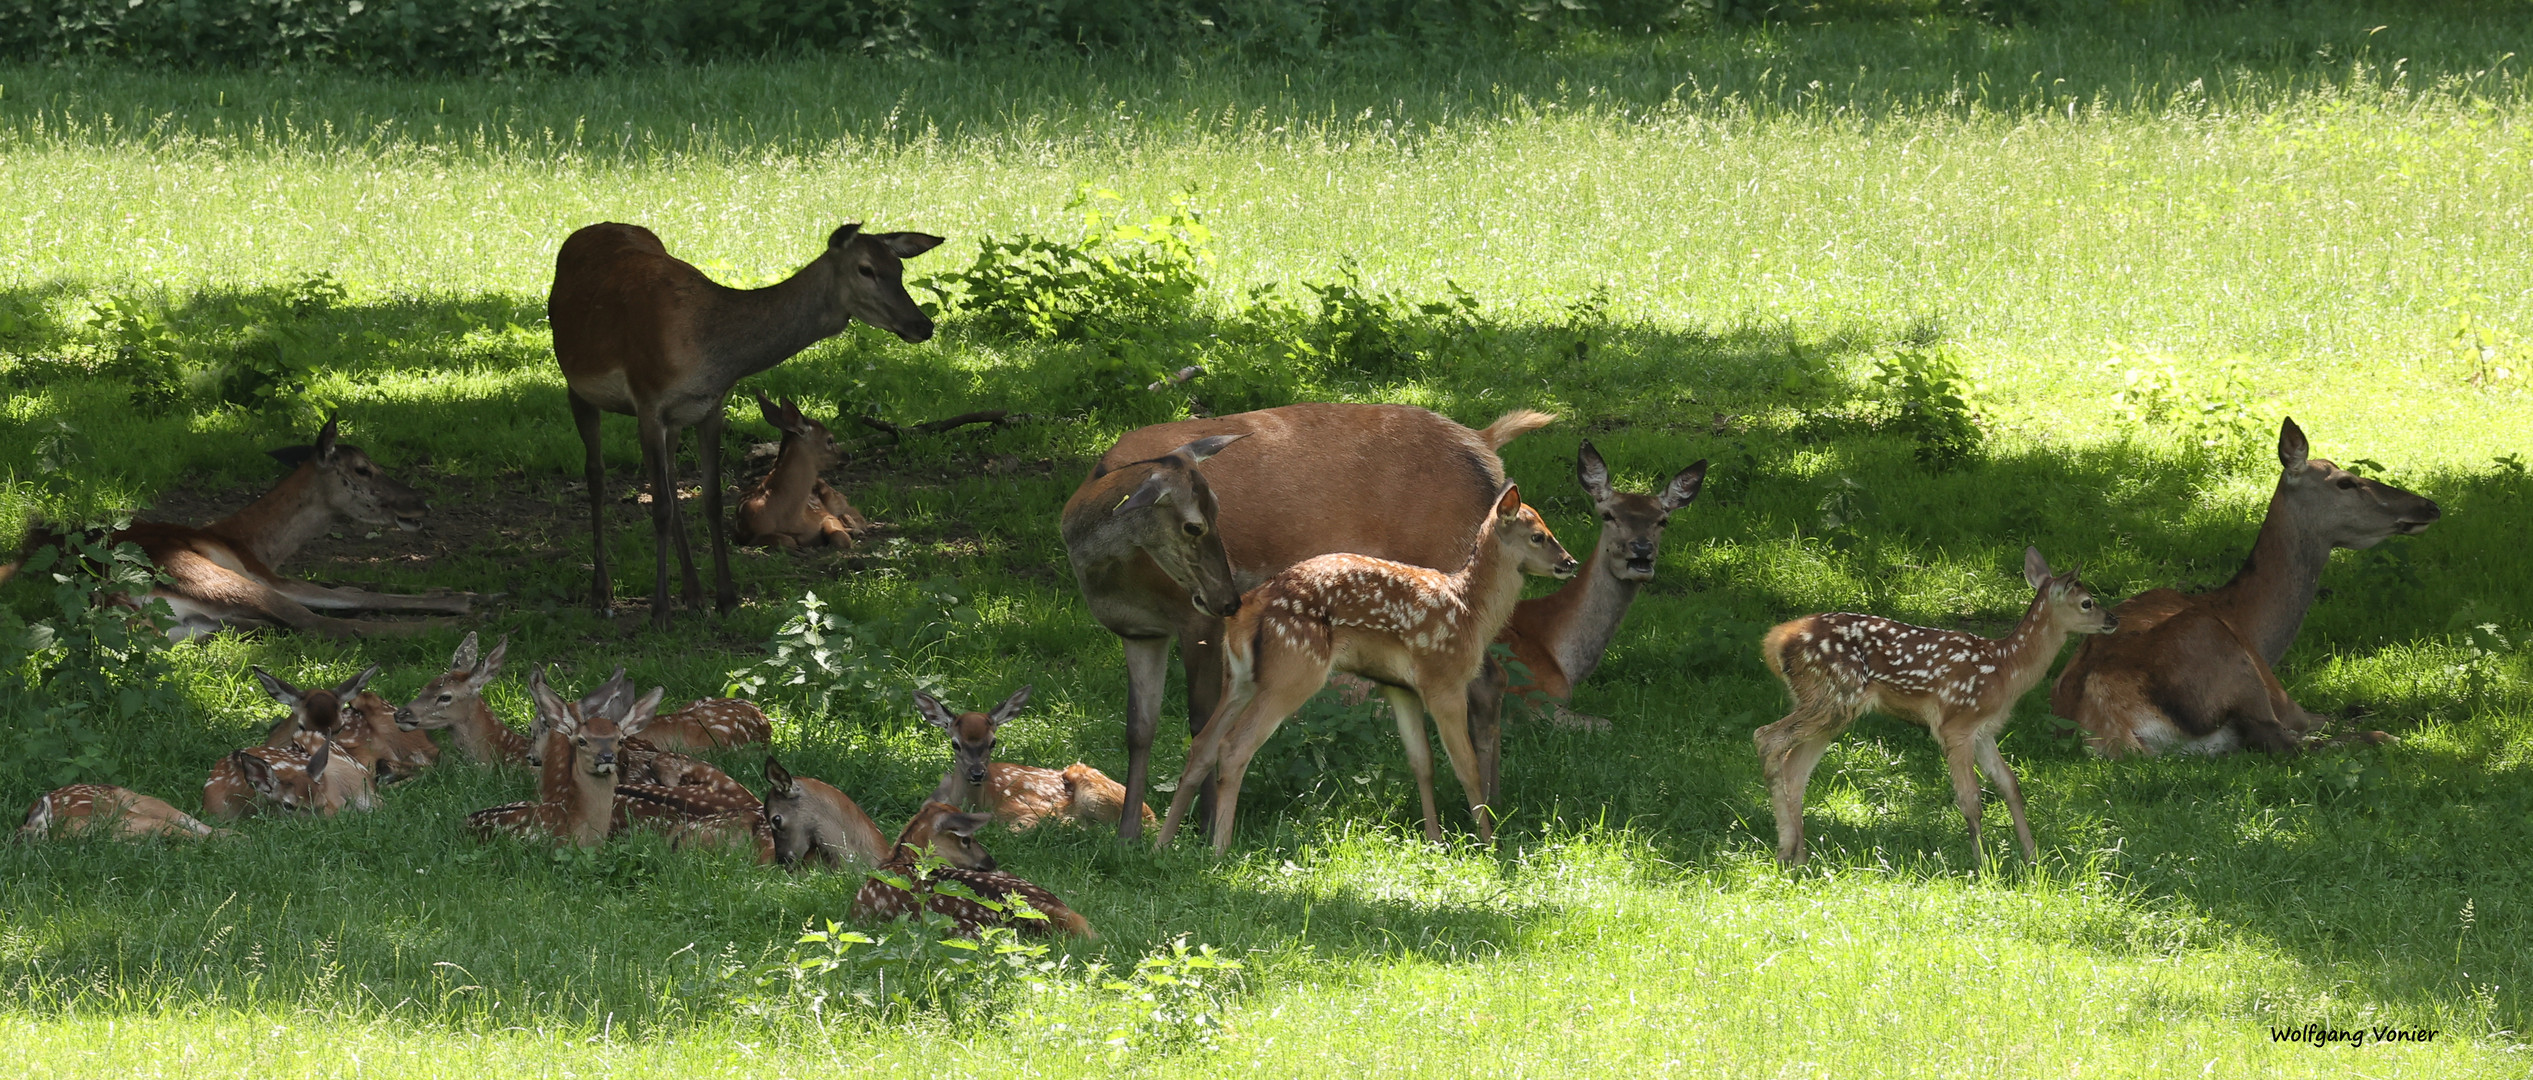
(1642, 549)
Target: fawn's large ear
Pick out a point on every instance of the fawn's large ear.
(317, 761)
(1508, 503)
(2035, 568)
(326, 436)
(491, 667)
(907, 245)
(281, 691)
(1154, 492)
(844, 234)
(464, 658)
(1592, 471)
(777, 775)
(550, 710)
(766, 408)
(39, 819)
(642, 713)
(963, 826)
(351, 689)
(257, 771)
(2292, 449)
(1196, 452)
(1684, 487)
(1010, 707)
(931, 708)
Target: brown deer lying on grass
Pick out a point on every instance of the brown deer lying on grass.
(300, 765)
(643, 334)
(941, 831)
(1961, 686)
(793, 507)
(1019, 796)
(1422, 634)
(1162, 552)
(2192, 674)
(222, 574)
(813, 822)
(129, 815)
(582, 797)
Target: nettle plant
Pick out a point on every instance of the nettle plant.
(1118, 277)
(823, 660)
(98, 664)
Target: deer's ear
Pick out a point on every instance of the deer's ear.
(257, 771)
(931, 708)
(326, 436)
(644, 710)
(2292, 449)
(1154, 492)
(281, 691)
(1196, 452)
(776, 774)
(349, 690)
(464, 658)
(317, 761)
(1508, 504)
(1684, 487)
(963, 826)
(491, 667)
(766, 408)
(1010, 707)
(549, 705)
(1592, 472)
(907, 245)
(844, 234)
(2035, 568)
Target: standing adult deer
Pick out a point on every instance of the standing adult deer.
(793, 507)
(943, 833)
(222, 574)
(641, 333)
(2192, 674)
(1422, 634)
(1019, 796)
(1559, 638)
(1163, 552)
(1961, 686)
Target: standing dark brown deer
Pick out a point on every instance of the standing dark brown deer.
(2191, 674)
(643, 334)
(1163, 552)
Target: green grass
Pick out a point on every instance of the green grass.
(1735, 228)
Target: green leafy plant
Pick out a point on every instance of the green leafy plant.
(1118, 278)
(142, 351)
(2216, 413)
(70, 682)
(822, 659)
(920, 964)
(1177, 995)
(1932, 402)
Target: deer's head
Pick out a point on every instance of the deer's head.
(941, 829)
(972, 733)
(1173, 512)
(317, 709)
(612, 698)
(2070, 605)
(800, 433)
(322, 782)
(352, 485)
(2333, 504)
(871, 278)
(593, 727)
(1631, 524)
(453, 695)
(1522, 535)
(806, 817)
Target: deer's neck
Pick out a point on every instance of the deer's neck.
(749, 330)
(1577, 622)
(273, 528)
(2267, 599)
(483, 737)
(1486, 588)
(957, 792)
(592, 806)
(795, 472)
(2025, 654)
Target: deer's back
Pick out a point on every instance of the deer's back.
(620, 302)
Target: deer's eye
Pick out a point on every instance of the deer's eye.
(2347, 484)
(2087, 605)
(775, 820)
(868, 273)
(1607, 516)
(446, 698)
(1193, 529)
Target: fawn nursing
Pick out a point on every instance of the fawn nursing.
(1961, 686)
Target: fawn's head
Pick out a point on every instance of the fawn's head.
(971, 734)
(941, 829)
(352, 485)
(2334, 504)
(871, 278)
(1631, 524)
(612, 697)
(2069, 604)
(452, 696)
(318, 708)
(806, 816)
(1521, 534)
(593, 727)
(1173, 511)
(800, 433)
(321, 782)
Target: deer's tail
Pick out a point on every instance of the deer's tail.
(1513, 425)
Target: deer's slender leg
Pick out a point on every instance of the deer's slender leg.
(677, 522)
(1451, 724)
(585, 417)
(725, 594)
(1486, 726)
(1788, 752)
(1993, 764)
(1147, 666)
(660, 473)
(1277, 699)
(1957, 759)
(1410, 714)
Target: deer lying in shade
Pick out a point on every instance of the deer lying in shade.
(792, 507)
(301, 766)
(1019, 796)
(1961, 686)
(123, 813)
(939, 830)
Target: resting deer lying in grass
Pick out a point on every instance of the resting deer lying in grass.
(1019, 796)
(792, 507)
(222, 574)
(1422, 634)
(454, 701)
(812, 822)
(129, 815)
(321, 781)
(2192, 674)
(1559, 638)
(941, 831)
(1961, 686)
(582, 793)
(369, 733)
(1163, 551)
(640, 333)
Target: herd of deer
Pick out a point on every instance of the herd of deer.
(1274, 548)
